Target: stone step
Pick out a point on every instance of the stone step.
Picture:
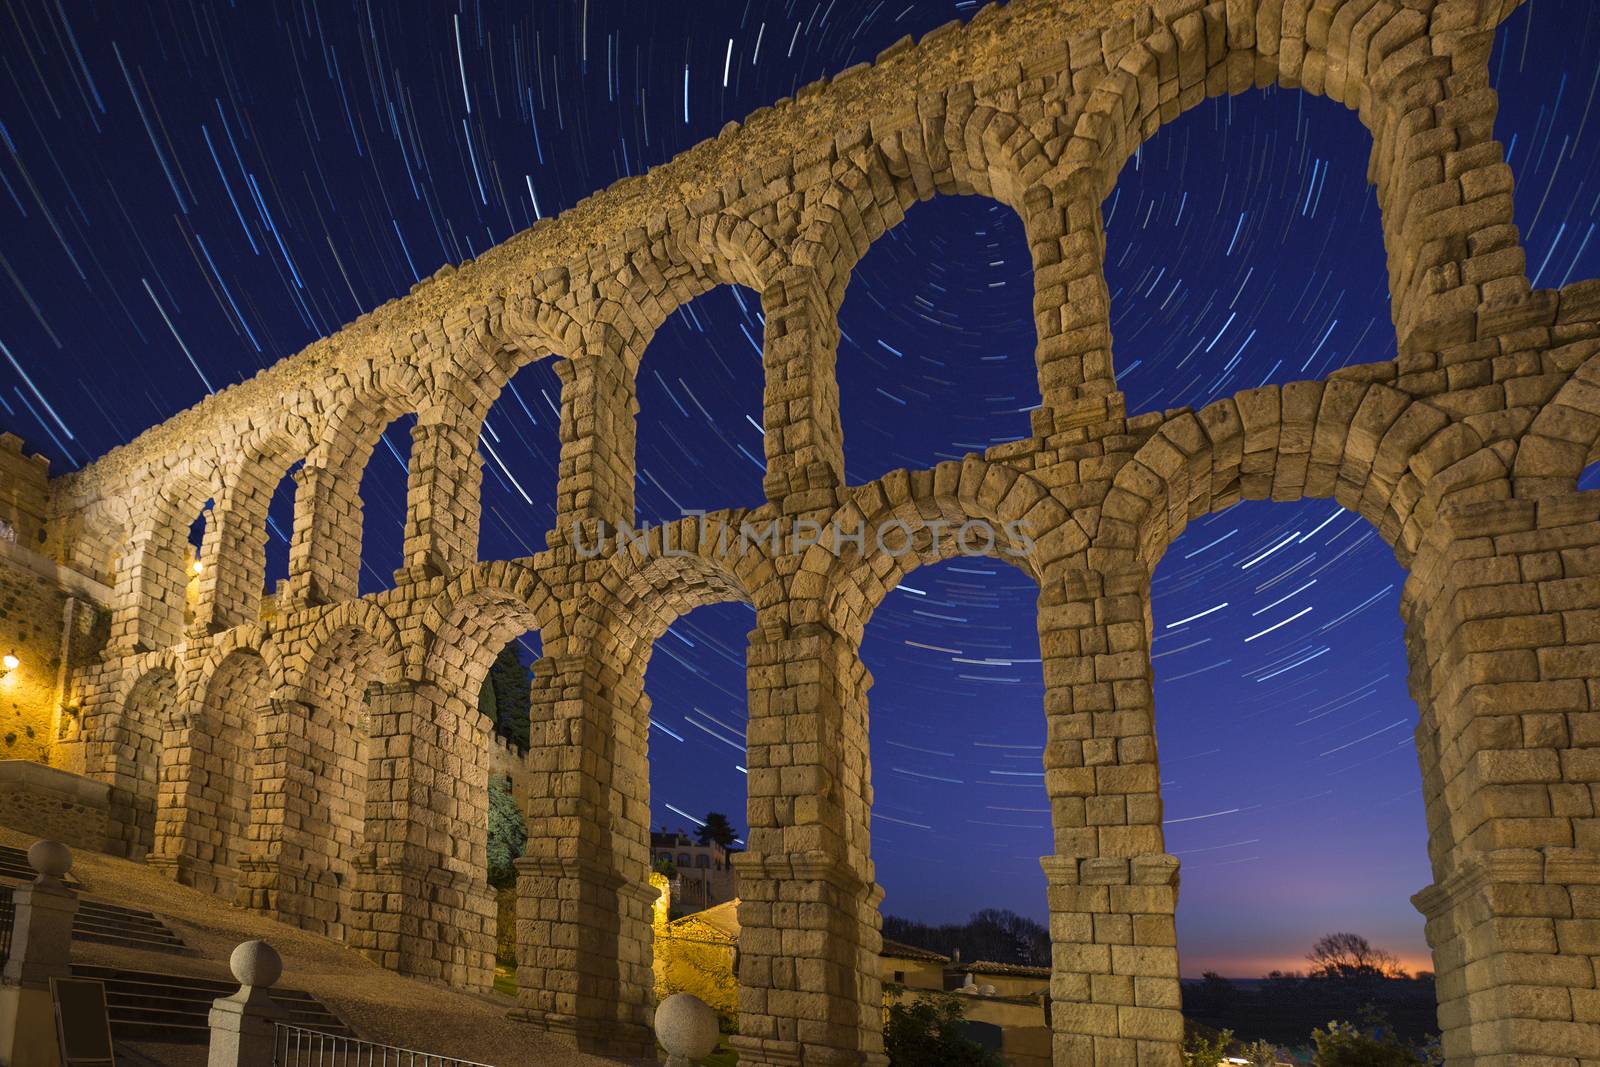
(147, 1006)
(14, 867)
(112, 924)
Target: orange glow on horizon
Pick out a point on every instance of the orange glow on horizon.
(1251, 967)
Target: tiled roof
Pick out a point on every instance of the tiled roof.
(902, 951)
(1013, 970)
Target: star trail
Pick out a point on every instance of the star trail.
(194, 190)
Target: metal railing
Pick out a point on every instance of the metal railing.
(294, 1046)
(8, 918)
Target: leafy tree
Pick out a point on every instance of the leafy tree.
(993, 934)
(717, 828)
(1347, 955)
(508, 833)
(927, 1031)
(505, 697)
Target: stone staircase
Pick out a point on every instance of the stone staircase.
(145, 1006)
(97, 920)
(14, 867)
(113, 924)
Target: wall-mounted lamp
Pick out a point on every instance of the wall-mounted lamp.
(10, 662)
(196, 566)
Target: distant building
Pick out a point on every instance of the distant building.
(704, 874)
(1006, 1006)
(911, 968)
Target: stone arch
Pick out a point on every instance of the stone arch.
(1032, 531)
(637, 282)
(253, 639)
(353, 654)
(325, 550)
(152, 601)
(627, 293)
(472, 618)
(235, 700)
(1376, 451)
(961, 147)
(301, 666)
(233, 561)
(467, 626)
(679, 567)
(1564, 436)
(1396, 67)
(136, 739)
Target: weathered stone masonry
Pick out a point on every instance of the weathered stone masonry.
(319, 757)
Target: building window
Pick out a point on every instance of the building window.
(702, 861)
(683, 859)
(899, 978)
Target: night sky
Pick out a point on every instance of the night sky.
(192, 191)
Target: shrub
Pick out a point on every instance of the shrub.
(928, 1031)
(1205, 1047)
(1345, 1044)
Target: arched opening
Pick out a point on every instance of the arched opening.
(138, 742)
(937, 337)
(1290, 782)
(700, 405)
(504, 703)
(192, 567)
(235, 700)
(960, 815)
(381, 510)
(339, 727)
(485, 650)
(1282, 275)
(279, 535)
(520, 447)
(696, 688)
(1542, 68)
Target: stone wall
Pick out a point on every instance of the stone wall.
(320, 757)
(52, 803)
(51, 619)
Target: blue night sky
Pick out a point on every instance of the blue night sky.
(192, 191)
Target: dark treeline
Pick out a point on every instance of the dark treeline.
(992, 934)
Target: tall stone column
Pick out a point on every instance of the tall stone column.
(1071, 304)
(446, 476)
(325, 547)
(804, 442)
(233, 562)
(147, 598)
(1503, 634)
(1113, 888)
(1442, 181)
(272, 873)
(187, 828)
(409, 911)
(599, 405)
(809, 989)
(583, 894)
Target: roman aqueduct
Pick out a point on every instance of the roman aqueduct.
(319, 756)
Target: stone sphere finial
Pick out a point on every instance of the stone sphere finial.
(50, 858)
(687, 1028)
(256, 963)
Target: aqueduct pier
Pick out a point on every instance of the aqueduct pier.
(318, 755)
